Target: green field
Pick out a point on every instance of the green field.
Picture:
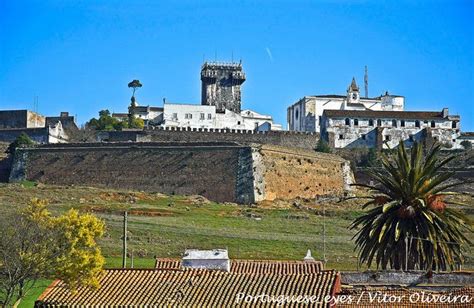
(165, 226)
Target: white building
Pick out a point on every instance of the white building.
(220, 105)
(200, 116)
(385, 129)
(305, 115)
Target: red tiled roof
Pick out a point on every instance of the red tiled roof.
(282, 267)
(188, 288)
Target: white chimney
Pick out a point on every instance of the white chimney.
(309, 257)
(215, 259)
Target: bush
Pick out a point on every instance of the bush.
(467, 145)
(23, 140)
(371, 158)
(323, 146)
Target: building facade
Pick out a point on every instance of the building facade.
(220, 105)
(385, 129)
(305, 115)
(40, 129)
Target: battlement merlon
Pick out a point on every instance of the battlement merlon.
(213, 70)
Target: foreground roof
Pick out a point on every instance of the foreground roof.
(284, 267)
(196, 288)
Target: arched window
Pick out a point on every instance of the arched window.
(417, 123)
(433, 124)
(379, 122)
(356, 122)
(454, 124)
(348, 122)
(371, 122)
(296, 114)
(394, 123)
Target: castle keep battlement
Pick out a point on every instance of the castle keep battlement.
(224, 172)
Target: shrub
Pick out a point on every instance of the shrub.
(23, 140)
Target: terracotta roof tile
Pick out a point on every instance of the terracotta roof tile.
(282, 267)
(187, 288)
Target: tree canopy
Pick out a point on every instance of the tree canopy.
(134, 84)
(107, 122)
(34, 244)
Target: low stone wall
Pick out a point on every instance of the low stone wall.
(407, 278)
(279, 138)
(224, 172)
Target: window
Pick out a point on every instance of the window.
(209, 116)
(433, 124)
(379, 122)
(356, 122)
(454, 140)
(371, 122)
(412, 138)
(364, 137)
(175, 116)
(296, 114)
(387, 138)
(238, 122)
(454, 124)
(202, 116)
(188, 116)
(320, 118)
(394, 123)
(348, 122)
(402, 123)
(417, 124)
(341, 137)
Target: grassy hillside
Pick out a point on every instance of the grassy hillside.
(166, 225)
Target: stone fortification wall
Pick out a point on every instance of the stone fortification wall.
(224, 172)
(297, 173)
(279, 138)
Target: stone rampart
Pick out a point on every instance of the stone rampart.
(224, 172)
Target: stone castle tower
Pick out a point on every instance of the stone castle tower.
(221, 85)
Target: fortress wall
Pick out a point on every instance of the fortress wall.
(223, 172)
(279, 138)
(207, 171)
(290, 173)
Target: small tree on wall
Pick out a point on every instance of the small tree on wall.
(23, 140)
(323, 146)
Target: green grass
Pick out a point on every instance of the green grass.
(165, 226)
(29, 300)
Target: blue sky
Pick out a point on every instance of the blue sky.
(78, 56)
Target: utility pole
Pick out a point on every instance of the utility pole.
(124, 256)
(324, 234)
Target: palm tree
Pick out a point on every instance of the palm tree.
(409, 224)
